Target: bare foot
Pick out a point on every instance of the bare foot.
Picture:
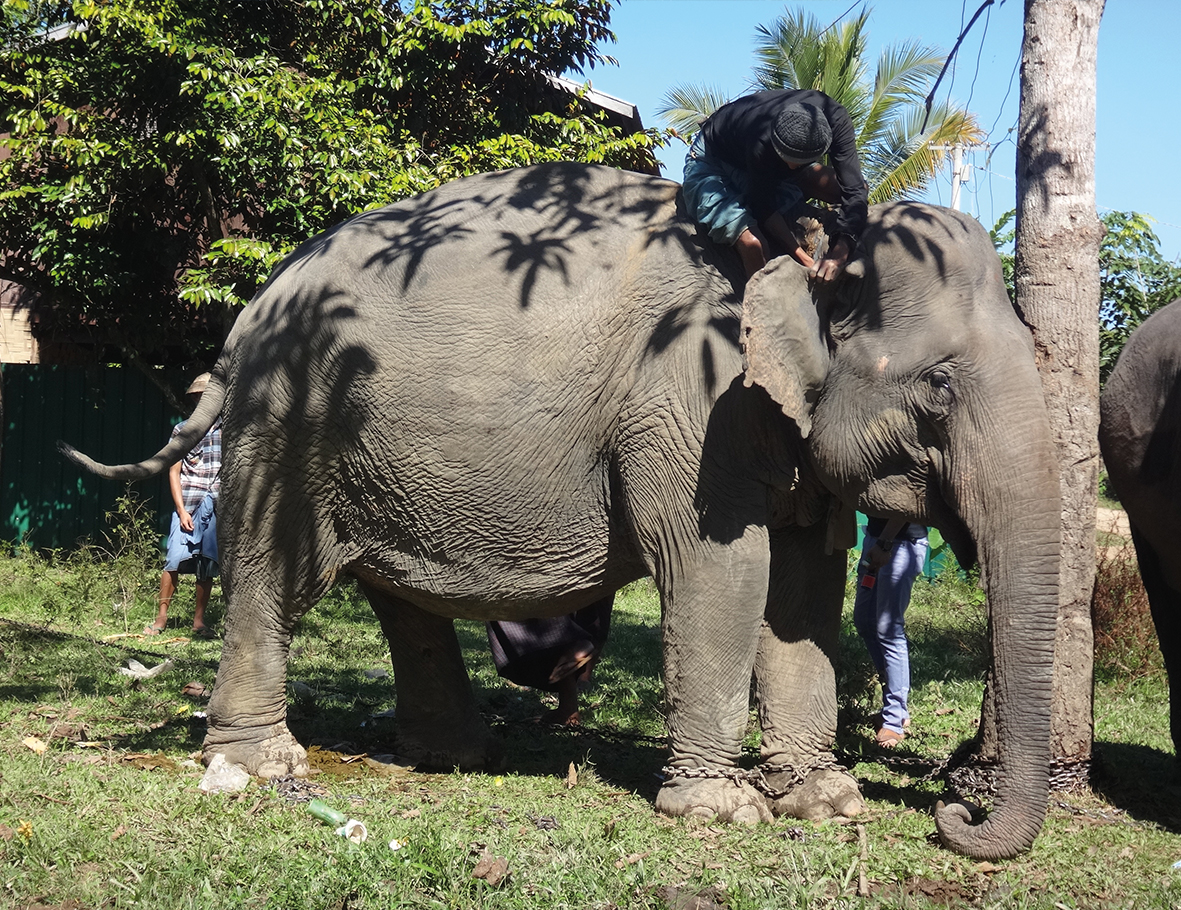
(560, 718)
(566, 713)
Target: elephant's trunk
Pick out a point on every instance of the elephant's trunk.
(1011, 503)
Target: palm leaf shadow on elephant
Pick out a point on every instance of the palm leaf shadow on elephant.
(1140, 439)
(513, 395)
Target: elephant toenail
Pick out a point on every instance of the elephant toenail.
(746, 815)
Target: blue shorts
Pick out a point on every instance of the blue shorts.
(715, 195)
(194, 551)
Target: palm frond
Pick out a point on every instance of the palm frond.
(907, 69)
(795, 52)
(786, 53)
(685, 107)
(905, 161)
(903, 76)
(897, 156)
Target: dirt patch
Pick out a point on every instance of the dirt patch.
(1113, 535)
(1113, 521)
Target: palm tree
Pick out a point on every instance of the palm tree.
(898, 156)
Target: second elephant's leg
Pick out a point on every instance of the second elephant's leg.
(795, 677)
(1165, 604)
(437, 722)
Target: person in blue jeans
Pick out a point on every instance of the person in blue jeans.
(891, 559)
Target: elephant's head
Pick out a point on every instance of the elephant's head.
(916, 385)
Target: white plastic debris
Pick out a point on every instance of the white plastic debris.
(136, 670)
(354, 831)
(224, 777)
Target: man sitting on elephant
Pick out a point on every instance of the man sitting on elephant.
(757, 157)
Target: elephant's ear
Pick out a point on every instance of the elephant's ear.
(783, 344)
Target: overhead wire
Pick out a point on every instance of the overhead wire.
(841, 17)
(986, 9)
(972, 92)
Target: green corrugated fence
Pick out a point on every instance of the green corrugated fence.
(114, 414)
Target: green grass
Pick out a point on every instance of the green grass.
(109, 815)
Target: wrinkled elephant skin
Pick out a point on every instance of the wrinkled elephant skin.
(510, 396)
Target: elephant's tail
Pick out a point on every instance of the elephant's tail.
(195, 428)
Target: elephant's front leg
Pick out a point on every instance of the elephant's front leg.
(795, 679)
(712, 610)
(437, 722)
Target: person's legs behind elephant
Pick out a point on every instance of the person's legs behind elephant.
(555, 654)
(879, 613)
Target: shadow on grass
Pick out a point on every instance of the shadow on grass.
(53, 662)
(1140, 780)
(900, 796)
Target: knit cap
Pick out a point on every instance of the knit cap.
(802, 133)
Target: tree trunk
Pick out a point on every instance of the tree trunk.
(1057, 284)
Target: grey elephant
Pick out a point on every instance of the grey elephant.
(1140, 438)
(513, 395)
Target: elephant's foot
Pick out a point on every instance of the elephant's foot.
(710, 798)
(438, 746)
(825, 793)
(272, 752)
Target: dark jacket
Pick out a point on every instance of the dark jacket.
(739, 133)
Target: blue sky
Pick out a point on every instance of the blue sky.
(1138, 135)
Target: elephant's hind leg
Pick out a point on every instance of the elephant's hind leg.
(248, 710)
(437, 723)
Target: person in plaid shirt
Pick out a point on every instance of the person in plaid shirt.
(195, 481)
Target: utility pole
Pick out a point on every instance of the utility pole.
(961, 171)
(959, 174)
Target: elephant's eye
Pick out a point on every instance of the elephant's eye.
(941, 391)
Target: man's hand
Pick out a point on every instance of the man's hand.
(803, 258)
(878, 555)
(777, 227)
(186, 520)
(833, 262)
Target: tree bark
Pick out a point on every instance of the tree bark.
(1057, 284)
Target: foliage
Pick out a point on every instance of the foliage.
(898, 156)
(1135, 280)
(1002, 239)
(1134, 277)
(120, 574)
(161, 157)
(1125, 638)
